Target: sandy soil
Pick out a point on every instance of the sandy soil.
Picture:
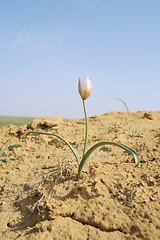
(41, 196)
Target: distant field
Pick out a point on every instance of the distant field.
(18, 121)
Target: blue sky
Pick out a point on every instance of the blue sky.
(45, 46)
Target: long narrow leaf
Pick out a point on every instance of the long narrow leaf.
(121, 101)
(124, 147)
(4, 144)
(55, 135)
(14, 146)
(4, 149)
(8, 146)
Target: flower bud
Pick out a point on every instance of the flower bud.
(85, 87)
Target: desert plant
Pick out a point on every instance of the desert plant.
(6, 146)
(85, 88)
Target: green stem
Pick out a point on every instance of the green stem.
(84, 107)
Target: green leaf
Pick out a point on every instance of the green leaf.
(4, 144)
(8, 146)
(55, 135)
(124, 147)
(121, 101)
(4, 149)
(14, 146)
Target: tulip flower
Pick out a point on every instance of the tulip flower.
(84, 87)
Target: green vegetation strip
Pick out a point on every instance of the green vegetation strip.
(17, 121)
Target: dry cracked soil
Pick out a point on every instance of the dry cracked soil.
(41, 196)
